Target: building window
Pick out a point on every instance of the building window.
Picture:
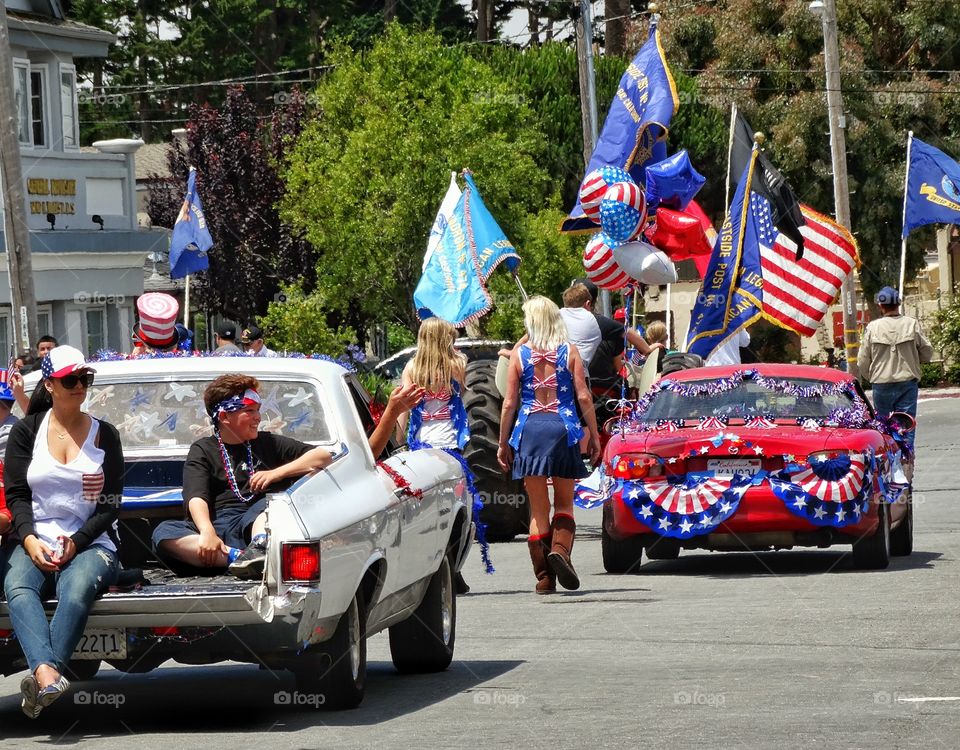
(5, 334)
(21, 79)
(38, 105)
(96, 330)
(44, 322)
(68, 106)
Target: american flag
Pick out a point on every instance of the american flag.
(797, 293)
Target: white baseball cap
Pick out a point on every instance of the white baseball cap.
(62, 360)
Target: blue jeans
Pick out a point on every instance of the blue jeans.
(77, 586)
(891, 397)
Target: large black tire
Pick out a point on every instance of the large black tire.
(82, 669)
(424, 642)
(901, 538)
(337, 669)
(873, 552)
(619, 555)
(506, 511)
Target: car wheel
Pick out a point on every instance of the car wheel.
(337, 669)
(424, 641)
(506, 511)
(82, 669)
(619, 555)
(901, 538)
(663, 549)
(873, 552)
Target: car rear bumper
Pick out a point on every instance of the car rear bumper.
(762, 520)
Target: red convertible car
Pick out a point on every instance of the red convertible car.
(758, 457)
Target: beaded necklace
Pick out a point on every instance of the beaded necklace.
(228, 469)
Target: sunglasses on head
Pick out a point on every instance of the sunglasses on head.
(70, 381)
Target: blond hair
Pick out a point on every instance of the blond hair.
(545, 327)
(656, 333)
(437, 362)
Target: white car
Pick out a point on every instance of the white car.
(354, 549)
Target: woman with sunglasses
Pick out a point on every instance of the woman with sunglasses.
(64, 483)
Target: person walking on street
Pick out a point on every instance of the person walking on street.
(545, 375)
(891, 352)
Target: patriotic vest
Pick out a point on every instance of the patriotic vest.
(561, 380)
(453, 411)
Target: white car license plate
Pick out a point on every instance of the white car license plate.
(102, 643)
(725, 468)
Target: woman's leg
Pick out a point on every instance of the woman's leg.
(564, 531)
(25, 584)
(79, 584)
(539, 505)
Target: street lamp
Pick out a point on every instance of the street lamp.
(826, 11)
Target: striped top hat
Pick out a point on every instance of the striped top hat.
(158, 318)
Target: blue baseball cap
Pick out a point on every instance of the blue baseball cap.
(888, 296)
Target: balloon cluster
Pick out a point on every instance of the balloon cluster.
(643, 229)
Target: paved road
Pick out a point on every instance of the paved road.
(712, 650)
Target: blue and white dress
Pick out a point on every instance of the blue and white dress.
(439, 420)
(546, 437)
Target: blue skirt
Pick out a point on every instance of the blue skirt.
(544, 451)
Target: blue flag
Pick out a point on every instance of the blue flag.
(191, 239)
(487, 240)
(732, 286)
(933, 188)
(636, 127)
(471, 247)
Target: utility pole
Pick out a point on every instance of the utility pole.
(827, 11)
(16, 231)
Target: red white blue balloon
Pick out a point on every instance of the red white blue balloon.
(600, 266)
(623, 211)
(595, 186)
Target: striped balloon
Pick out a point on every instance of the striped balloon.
(595, 186)
(623, 211)
(600, 266)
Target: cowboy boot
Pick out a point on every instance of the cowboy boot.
(564, 529)
(539, 546)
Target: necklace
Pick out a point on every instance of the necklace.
(228, 470)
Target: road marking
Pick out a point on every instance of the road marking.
(929, 699)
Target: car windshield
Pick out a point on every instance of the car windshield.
(169, 414)
(747, 399)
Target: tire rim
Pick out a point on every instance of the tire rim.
(353, 632)
(446, 602)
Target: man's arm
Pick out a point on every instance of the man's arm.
(311, 461)
(639, 343)
(864, 356)
(402, 400)
(924, 348)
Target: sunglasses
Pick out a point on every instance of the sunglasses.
(70, 381)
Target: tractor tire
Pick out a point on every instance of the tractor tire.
(506, 510)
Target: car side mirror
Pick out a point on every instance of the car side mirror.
(906, 422)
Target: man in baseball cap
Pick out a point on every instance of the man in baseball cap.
(226, 336)
(252, 339)
(891, 352)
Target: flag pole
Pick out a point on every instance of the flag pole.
(903, 239)
(668, 315)
(523, 292)
(186, 301)
(733, 125)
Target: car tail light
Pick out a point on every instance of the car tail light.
(165, 632)
(300, 561)
(5, 633)
(637, 466)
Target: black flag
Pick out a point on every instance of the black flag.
(767, 181)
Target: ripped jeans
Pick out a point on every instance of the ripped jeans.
(84, 578)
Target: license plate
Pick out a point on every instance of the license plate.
(725, 468)
(102, 643)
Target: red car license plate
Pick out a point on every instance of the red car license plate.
(725, 468)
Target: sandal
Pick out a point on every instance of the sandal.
(53, 691)
(29, 688)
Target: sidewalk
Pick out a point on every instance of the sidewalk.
(929, 394)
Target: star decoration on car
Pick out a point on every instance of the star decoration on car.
(758, 450)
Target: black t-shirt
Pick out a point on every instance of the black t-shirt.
(204, 474)
(611, 345)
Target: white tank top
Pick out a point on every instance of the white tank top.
(65, 495)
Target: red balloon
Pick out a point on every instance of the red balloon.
(679, 235)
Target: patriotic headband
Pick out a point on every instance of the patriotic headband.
(235, 403)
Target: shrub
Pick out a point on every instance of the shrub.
(931, 373)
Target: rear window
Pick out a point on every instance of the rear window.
(170, 414)
(747, 399)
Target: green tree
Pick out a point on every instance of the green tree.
(366, 177)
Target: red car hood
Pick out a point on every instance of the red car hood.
(784, 440)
